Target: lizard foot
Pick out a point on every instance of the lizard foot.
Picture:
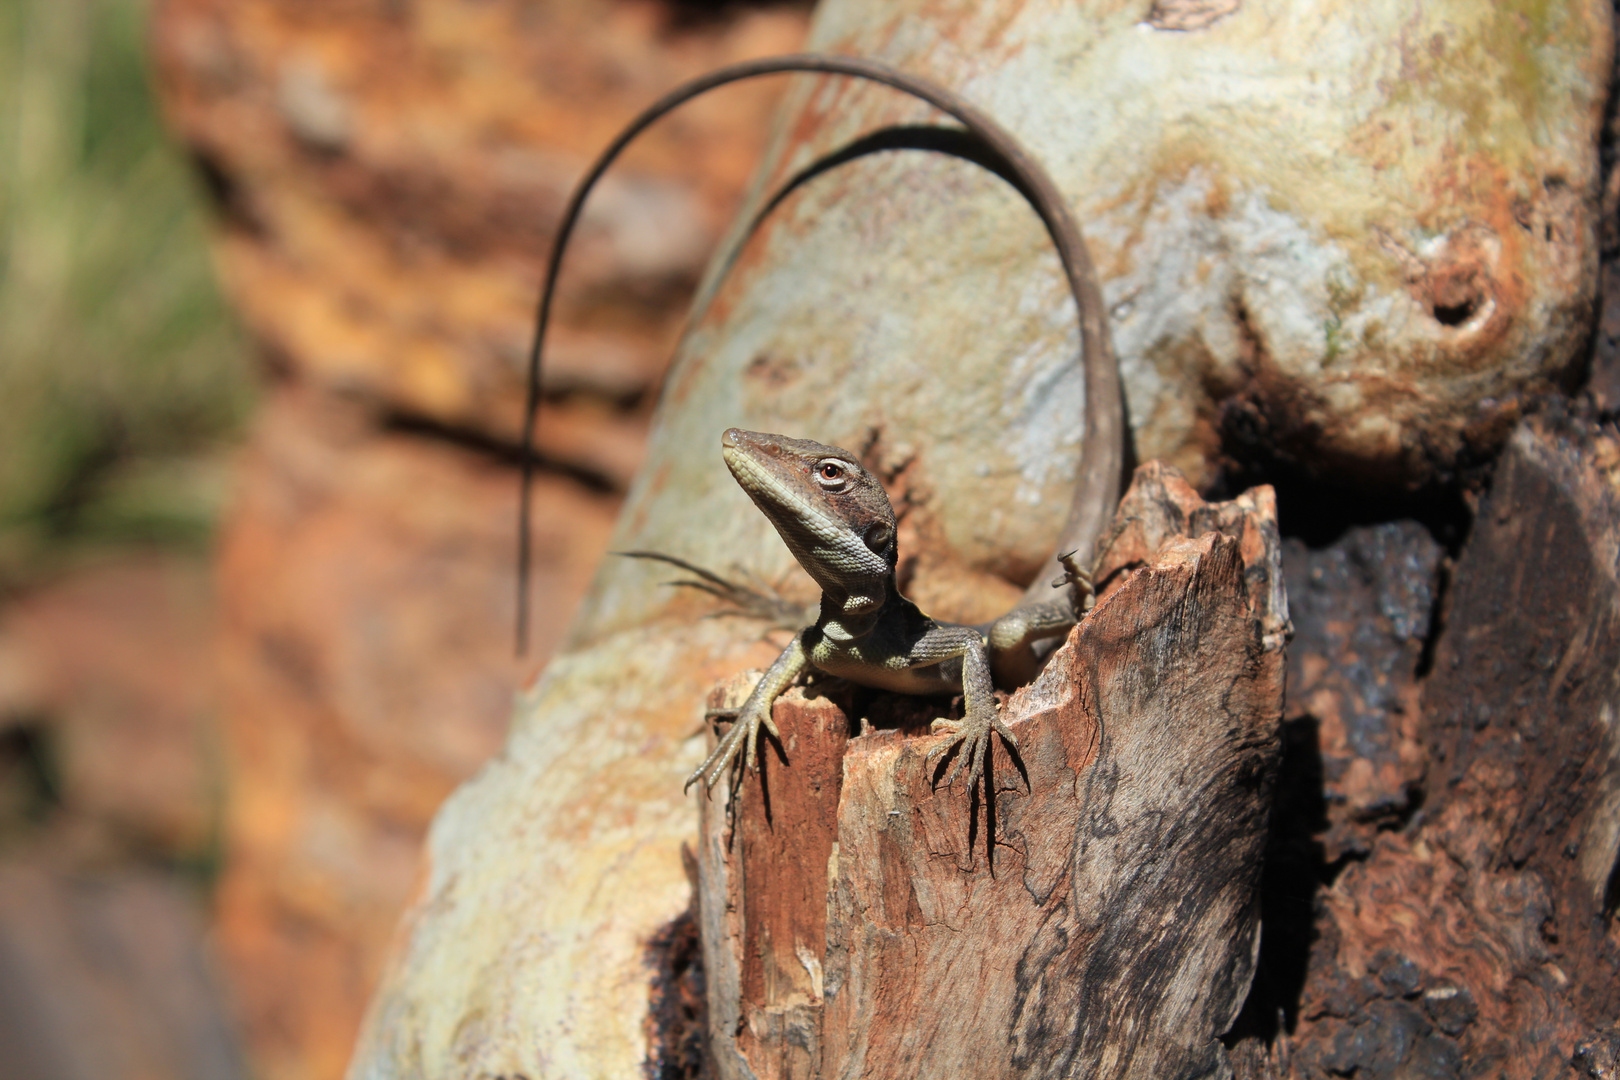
(1074, 574)
(744, 733)
(972, 734)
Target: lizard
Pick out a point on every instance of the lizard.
(836, 518)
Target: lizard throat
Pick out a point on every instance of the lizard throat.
(846, 618)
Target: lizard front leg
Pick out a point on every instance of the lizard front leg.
(972, 732)
(754, 712)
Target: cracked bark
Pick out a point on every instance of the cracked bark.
(1457, 915)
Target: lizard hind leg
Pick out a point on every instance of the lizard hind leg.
(1085, 588)
(746, 599)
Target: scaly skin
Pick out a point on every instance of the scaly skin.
(844, 535)
(837, 520)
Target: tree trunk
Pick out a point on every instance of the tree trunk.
(1336, 266)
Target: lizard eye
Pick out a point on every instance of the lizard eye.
(830, 473)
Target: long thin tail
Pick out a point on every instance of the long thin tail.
(1102, 452)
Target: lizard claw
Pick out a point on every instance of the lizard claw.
(753, 741)
(973, 734)
(1078, 576)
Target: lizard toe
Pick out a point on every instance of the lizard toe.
(975, 751)
(720, 757)
(718, 767)
(957, 729)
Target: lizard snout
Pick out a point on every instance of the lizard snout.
(738, 439)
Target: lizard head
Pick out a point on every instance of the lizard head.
(833, 515)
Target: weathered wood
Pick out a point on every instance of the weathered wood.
(1473, 933)
(778, 846)
(1363, 612)
(862, 922)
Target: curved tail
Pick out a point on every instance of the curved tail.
(1102, 449)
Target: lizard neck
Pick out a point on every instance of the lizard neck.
(849, 613)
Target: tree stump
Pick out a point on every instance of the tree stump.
(1091, 909)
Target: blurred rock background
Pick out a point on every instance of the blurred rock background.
(122, 384)
(229, 546)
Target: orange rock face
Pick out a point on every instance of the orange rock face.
(386, 178)
(367, 585)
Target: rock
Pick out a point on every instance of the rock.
(367, 587)
(387, 179)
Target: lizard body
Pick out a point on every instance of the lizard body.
(836, 518)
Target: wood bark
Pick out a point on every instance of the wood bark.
(1460, 788)
(1089, 910)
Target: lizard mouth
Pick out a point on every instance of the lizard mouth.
(775, 497)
